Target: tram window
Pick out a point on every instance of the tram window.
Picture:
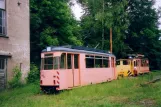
(69, 62)
(55, 60)
(134, 63)
(125, 62)
(142, 63)
(63, 61)
(48, 63)
(105, 62)
(48, 55)
(98, 61)
(76, 61)
(117, 62)
(89, 61)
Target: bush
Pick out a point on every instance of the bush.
(16, 80)
(34, 74)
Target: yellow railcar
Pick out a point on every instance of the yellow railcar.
(132, 66)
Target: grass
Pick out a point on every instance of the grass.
(125, 92)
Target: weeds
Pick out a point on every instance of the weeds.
(16, 80)
(34, 74)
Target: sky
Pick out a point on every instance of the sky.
(77, 9)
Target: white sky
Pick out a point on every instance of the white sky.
(77, 10)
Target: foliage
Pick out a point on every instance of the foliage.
(100, 16)
(125, 92)
(143, 33)
(134, 24)
(52, 23)
(16, 80)
(34, 74)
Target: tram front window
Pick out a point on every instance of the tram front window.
(125, 62)
(50, 63)
(117, 62)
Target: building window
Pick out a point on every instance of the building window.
(2, 64)
(2, 18)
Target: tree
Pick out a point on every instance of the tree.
(52, 24)
(143, 32)
(99, 17)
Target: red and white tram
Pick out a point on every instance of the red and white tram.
(66, 67)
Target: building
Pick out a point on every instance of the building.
(14, 38)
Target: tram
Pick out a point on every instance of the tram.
(134, 65)
(66, 67)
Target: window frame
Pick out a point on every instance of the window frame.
(4, 19)
(95, 59)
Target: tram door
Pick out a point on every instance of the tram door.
(2, 73)
(75, 69)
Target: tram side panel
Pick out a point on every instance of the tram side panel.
(95, 75)
(144, 66)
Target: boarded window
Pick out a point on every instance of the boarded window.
(2, 73)
(2, 64)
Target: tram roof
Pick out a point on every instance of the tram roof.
(80, 49)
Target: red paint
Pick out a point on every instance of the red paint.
(58, 82)
(40, 81)
(57, 72)
(54, 82)
(57, 77)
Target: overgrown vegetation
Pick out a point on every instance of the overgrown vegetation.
(126, 92)
(16, 80)
(52, 23)
(34, 74)
(134, 26)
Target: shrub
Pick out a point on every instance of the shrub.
(16, 80)
(34, 74)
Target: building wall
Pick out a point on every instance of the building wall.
(17, 38)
